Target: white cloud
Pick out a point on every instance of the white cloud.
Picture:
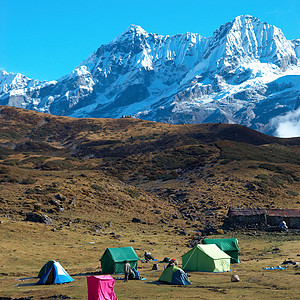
(288, 125)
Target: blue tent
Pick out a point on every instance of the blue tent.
(174, 275)
(55, 274)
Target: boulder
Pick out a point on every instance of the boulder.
(136, 220)
(39, 218)
(235, 278)
(60, 197)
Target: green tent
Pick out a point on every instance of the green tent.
(229, 246)
(45, 268)
(174, 275)
(112, 260)
(206, 258)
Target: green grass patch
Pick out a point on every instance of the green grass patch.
(57, 165)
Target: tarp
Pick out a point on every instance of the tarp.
(229, 246)
(112, 260)
(206, 258)
(101, 287)
(55, 275)
(174, 275)
(45, 268)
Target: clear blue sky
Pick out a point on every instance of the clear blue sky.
(46, 39)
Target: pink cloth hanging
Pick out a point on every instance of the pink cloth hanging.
(101, 287)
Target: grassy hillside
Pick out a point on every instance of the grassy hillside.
(93, 176)
(196, 171)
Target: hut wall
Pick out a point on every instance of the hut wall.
(254, 221)
(295, 223)
(291, 222)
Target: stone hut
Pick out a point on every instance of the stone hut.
(290, 216)
(247, 217)
(261, 218)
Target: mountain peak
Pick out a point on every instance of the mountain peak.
(245, 18)
(241, 74)
(135, 29)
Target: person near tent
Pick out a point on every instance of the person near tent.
(134, 274)
(127, 270)
(148, 256)
(282, 226)
(171, 263)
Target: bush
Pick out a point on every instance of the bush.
(56, 165)
(9, 179)
(262, 176)
(253, 167)
(28, 181)
(97, 187)
(132, 193)
(4, 170)
(292, 193)
(11, 162)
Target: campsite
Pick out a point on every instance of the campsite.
(75, 188)
(79, 254)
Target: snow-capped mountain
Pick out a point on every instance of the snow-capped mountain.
(246, 73)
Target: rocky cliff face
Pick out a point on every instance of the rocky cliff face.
(246, 73)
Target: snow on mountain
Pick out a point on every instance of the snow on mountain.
(246, 73)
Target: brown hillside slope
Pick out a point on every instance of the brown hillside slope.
(94, 177)
(200, 170)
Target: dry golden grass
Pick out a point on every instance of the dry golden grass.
(175, 179)
(26, 246)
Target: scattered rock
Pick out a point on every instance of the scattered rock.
(182, 232)
(235, 278)
(38, 218)
(60, 197)
(288, 262)
(136, 220)
(55, 202)
(37, 207)
(72, 201)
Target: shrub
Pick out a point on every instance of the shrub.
(292, 193)
(133, 193)
(4, 170)
(56, 165)
(253, 167)
(28, 181)
(97, 187)
(11, 162)
(275, 168)
(262, 176)
(9, 179)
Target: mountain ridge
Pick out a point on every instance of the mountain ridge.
(230, 77)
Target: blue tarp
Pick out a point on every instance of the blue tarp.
(275, 268)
